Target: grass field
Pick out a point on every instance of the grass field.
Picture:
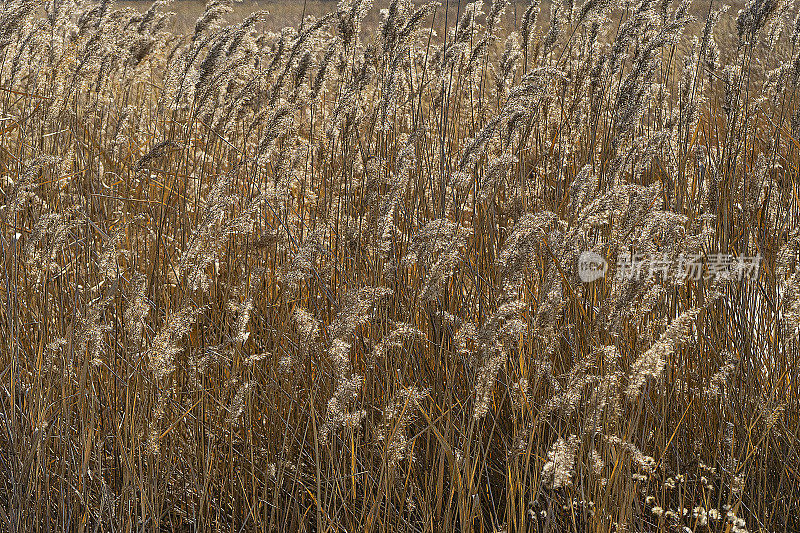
(463, 267)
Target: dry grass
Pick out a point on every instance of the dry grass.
(325, 278)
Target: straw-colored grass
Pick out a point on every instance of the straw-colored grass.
(329, 277)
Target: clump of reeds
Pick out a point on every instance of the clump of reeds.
(326, 277)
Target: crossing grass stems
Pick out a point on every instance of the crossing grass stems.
(325, 278)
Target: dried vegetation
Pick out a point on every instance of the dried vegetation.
(325, 278)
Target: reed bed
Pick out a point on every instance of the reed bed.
(328, 278)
